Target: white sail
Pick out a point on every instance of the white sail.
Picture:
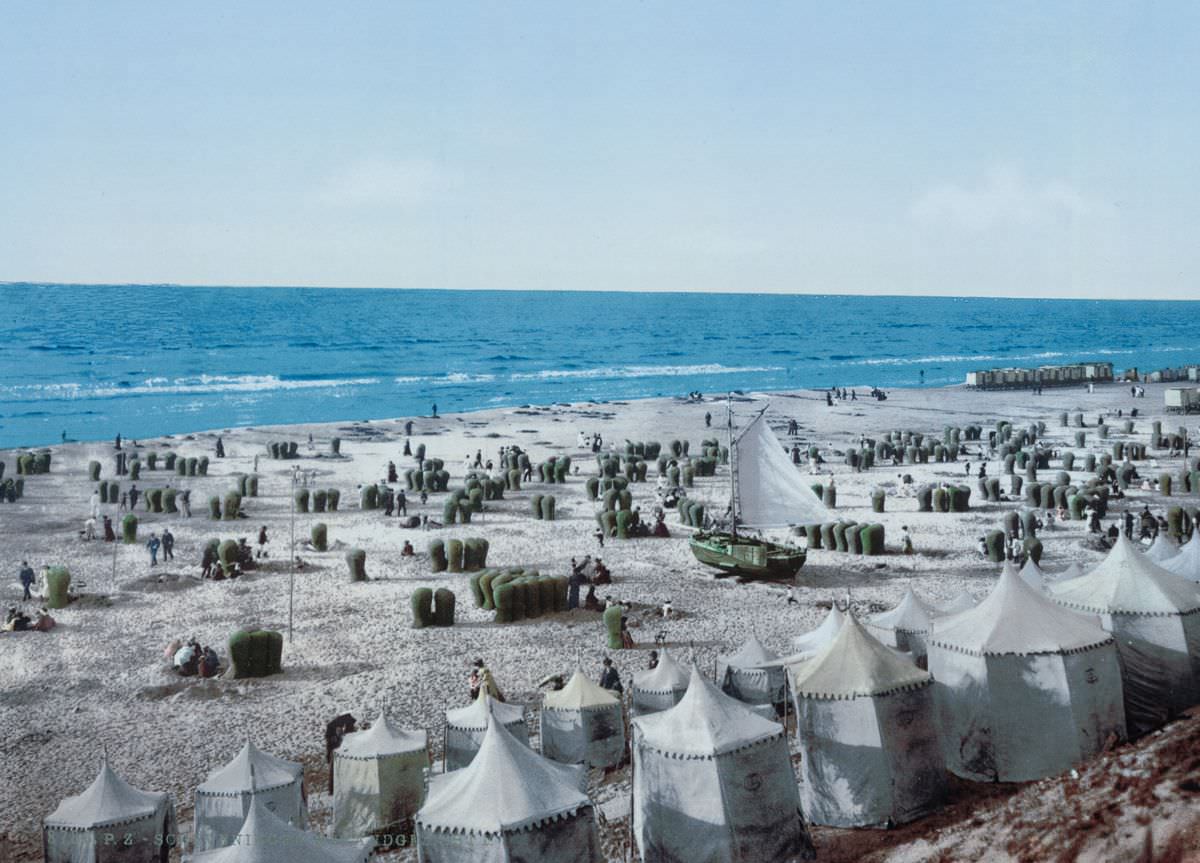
(770, 491)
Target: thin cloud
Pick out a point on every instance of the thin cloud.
(397, 182)
(1006, 197)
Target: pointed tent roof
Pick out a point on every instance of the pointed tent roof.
(1163, 547)
(1073, 570)
(1033, 575)
(962, 602)
(667, 676)
(705, 723)
(251, 769)
(381, 740)
(1128, 582)
(535, 789)
(578, 694)
(475, 714)
(108, 800)
(815, 639)
(1015, 619)
(752, 654)
(263, 835)
(770, 491)
(1187, 562)
(856, 665)
(911, 614)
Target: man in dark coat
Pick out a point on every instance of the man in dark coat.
(335, 731)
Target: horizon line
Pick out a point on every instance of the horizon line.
(798, 293)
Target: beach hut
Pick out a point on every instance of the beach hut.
(264, 836)
(1187, 562)
(659, 688)
(465, 727)
(508, 804)
(378, 778)
(81, 827)
(810, 642)
(1019, 661)
(223, 800)
(865, 720)
(712, 782)
(1154, 615)
(907, 626)
(583, 723)
(1163, 548)
(962, 602)
(744, 675)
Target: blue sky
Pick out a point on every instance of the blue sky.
(1044, 149)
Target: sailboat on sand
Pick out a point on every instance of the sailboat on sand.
(767, 492)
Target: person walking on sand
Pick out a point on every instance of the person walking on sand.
(26, 576)
(433, 411)
(707, 419)
(185, 502)
(401, 503)
(152, 545)
(220, 447)
(124, 504)
(168, 544)
(133, 496)
(109, 534)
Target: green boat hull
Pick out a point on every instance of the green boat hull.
(747, 557)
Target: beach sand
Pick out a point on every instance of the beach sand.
(99, 681)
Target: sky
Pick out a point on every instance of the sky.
(946, 148)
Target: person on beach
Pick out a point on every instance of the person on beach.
(408, 426)
(707, 419)
(89, 528)
(389, 500)
(407, 447)
(982, 547)
(256, 464)
(109, 534)
(152, 544)
(117, 442)
(407, 551)
(391, 472)
(475, 679)
(610, 679)
(133, 496)
(26, 577)
(434, 410)
(124, 504)
(968, 470)
(262, 542)
(168, 544)
(401, 503)
(906, 543)
(94, 504)
(335, 731)
(220, 447)
(185, 502)
(424, 497)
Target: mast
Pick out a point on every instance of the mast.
(732, 467)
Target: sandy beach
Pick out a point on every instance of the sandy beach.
(98, 682)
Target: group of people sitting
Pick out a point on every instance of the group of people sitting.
(190, 659)
(590, 573)
(210, 563)
(16, 620)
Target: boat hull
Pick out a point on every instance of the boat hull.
(747, 557)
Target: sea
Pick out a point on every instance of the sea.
(89, 361)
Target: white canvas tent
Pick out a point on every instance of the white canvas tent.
(1033, 575)
(1154, 615)
(808, 643)
(509, 804)
(266, 838)
(962, 602)
(78, 830)
(583, 723)
(1162, 548)
(1187, 562)
(713, 783)
(751, 674)
(378, 778)
(905, 627)
(223, 799)
(1024, 687)
(465, 727)
(660, 687)
(865, 720)
(770, 491)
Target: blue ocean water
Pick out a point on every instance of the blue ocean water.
(92, 360)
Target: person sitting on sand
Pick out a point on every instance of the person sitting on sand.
(187, 659)
(591, 602)
(210, 663)
(89, 528)
(610, 678)
(16, 621)
(407, 551)
(44, 622)
(603, 574)
(474, 680)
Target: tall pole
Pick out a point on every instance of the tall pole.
(732, 468)
(292, 556)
